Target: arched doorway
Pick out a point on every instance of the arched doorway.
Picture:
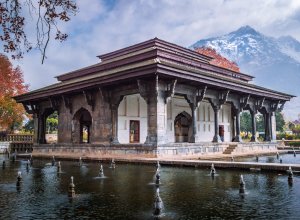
(82, 122)
(183, 127)
(44, 126)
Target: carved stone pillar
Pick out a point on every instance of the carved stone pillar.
(36, 128)
(237, 137)
(114, 101)
(194, 137)
(154, 96)
(194, 99)
(41, 129)
(216, 133)
(253, 120)
(273, 126)
(114, 119)
(267, 127)
(233, 126)
(216, 103)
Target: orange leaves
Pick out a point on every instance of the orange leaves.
(11, 84)
(218, 60)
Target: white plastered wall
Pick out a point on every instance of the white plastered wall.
(134, 107)
(205, 119)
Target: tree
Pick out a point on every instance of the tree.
(218, 60)
(246, 124)
(280, 123)
(52, 122)
(260, 123)
(47, 14)
(11, 84)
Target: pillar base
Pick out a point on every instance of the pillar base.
(267, 139)
(217, 139)
(237, 139)
(193, 139)
(114, 140)
(151, 140)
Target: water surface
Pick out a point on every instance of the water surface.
(128, 192)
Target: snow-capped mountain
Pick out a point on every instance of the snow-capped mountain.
(274, 62)
(246, 45)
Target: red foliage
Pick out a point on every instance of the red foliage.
(218, 60)
(11, 84)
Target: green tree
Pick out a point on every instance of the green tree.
(52, 123)
(280, 123)
(260, 123)
(246, 125)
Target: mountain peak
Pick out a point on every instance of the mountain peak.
(246, 30)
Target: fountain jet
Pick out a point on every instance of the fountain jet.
(242, 185)
(157, 177)
(101, 173)
(71, 190)
(31, 160)
(80, 161)
(27, 165)
(158, 204)
(19, 179)
(58, 167)
(291, 176)
(157, 165)
(212, 170)
(113, 164)
(53, 161)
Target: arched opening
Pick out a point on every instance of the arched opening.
(51, 127)
(183, 127)
(48, 124)
(82, 122)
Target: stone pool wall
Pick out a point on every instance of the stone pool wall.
(255, 147)
(149, 151)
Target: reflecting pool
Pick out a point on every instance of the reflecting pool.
(128, 192)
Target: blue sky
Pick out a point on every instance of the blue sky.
(102, 26)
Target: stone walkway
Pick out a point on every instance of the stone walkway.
(202, 161)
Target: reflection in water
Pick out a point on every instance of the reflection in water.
(187, 193)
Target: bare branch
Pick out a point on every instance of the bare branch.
(49, 14)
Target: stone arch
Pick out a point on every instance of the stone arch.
(183, 127)
(81, 126)
(42, 125)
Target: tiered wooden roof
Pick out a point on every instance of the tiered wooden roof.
(148, 58)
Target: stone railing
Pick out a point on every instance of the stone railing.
(19, 142)
(15, 138)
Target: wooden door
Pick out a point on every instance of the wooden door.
(134, 131)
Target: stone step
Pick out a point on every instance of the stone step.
(230, 149)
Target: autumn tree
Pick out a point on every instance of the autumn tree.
(11, 84)
(218, 60)
(46, 14)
